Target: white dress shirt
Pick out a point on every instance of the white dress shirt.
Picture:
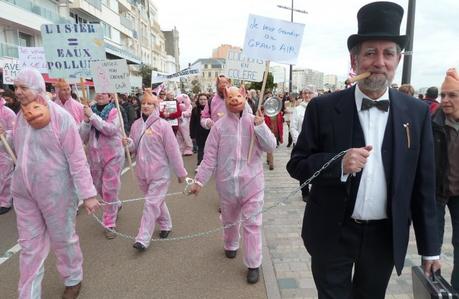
(371, 200)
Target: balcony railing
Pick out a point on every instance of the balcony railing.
(45, 13)
(126, 23)
(95, 3)
(8, 50)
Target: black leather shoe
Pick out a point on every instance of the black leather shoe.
(139, 246)
(4, 210)
(231, 254)
(164, 234)
(253, 275)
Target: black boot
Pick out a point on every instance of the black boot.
(253, 275)
(231, 254)
(139, 246)
(164, 234)
(4, 210)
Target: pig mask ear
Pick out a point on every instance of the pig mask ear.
(226, 92)
(243, 91)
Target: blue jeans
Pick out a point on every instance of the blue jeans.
(453, 206)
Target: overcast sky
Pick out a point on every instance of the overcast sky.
(203, 25)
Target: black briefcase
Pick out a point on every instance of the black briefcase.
(431, 287)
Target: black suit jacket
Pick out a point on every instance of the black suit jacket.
(409, 169)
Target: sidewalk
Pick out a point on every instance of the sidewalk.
(289, 258)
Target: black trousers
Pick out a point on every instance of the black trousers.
(364, 248)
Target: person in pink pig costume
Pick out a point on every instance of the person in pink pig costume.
(183, 135)
(153, 139)
(64, 99)
(101, 131)
(240, 183)
(7, 120)
(51, 174)
(217, 107)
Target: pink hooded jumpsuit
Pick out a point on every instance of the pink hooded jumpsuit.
(217, 111)
(240, 185)
(73, 107)
(106, 159)
(7, 120)
(156, 147)
(183, 135)
(51, 174)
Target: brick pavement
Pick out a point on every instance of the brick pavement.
(290, 261)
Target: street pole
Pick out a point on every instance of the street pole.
(407, 60)
(290, 78)
(291, 20)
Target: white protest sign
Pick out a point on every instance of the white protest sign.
(33, 57)
(239, 67)
(70, 48)
(11, 69)
(111, 76)
(273, 39)
(190, 71)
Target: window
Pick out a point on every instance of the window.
(107, 30)
(25, 40)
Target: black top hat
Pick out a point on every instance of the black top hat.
(379, 21)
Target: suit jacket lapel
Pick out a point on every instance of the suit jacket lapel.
(343, 120)
(400, 115)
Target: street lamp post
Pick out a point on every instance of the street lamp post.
(407, 60)
(291, 20)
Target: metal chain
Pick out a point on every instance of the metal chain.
(282, 201)
(105, 203)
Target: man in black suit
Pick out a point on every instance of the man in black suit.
(356, 223)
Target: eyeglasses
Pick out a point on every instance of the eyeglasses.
(450, 94)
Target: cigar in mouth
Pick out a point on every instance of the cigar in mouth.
(357, 78)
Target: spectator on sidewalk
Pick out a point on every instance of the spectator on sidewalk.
(445, 124)
(431, 99)
(297, 123)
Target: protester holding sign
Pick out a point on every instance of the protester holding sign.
(157, 150)
(101, 132)
(171, 111)
(7, 120)
(64, 99)
(51, 174)
(240, 184)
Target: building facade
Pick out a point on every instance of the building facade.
(131, 28)
(304, 77)
(222, 51)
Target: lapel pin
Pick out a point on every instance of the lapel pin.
(407, 130)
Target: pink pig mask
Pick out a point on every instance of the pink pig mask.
(235, 98)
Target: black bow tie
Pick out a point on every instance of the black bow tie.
(382, 105)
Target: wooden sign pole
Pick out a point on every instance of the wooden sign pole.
(85, 101)
(117, 103)
(263, 85)
(8, 148)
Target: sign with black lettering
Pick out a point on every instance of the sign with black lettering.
(239, 67)
(111, 76)
(273, 39)
(71, 48)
